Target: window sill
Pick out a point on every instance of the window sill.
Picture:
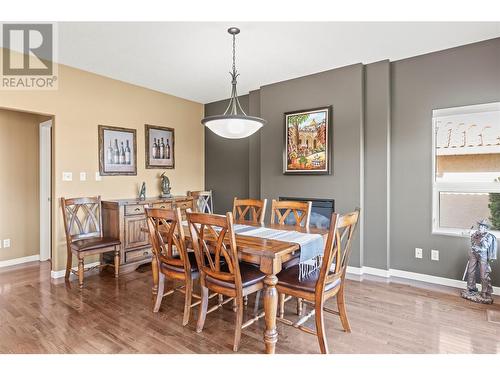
(463, 233)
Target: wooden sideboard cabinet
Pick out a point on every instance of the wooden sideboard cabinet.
(125, 219)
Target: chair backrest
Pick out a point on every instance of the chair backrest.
(213, 240)
(203, 201)
(82, 218)
(253, 210)
(281, 211)
(337, 248)
(167, 237)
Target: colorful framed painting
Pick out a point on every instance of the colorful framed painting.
(117, 151)
(160, 147)
(308, 141)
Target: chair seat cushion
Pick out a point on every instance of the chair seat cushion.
(95, 243)
(192, 262)
(290, 278)
(250, 275)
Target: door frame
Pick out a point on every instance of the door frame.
(45, 160)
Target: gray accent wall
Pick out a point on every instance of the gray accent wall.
(455, 77)
(377, 164)
(341, 88)
(382, 133)
(226, 162)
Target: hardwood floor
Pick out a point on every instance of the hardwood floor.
(38, 315)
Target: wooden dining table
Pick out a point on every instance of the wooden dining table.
(269, 255)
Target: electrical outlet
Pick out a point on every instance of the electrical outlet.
(418, 253)
(6, 243)
(98, 176)
(67, 176)
(83, 176)
(434, 254)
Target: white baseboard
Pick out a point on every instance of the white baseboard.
(13, 262)
(359, 271)
(61, 273)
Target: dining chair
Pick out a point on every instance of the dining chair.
(171, 260)
(203, 201)
(252, 210)
(325, 283)
(213, 240)
(291, 213)
(84, 235)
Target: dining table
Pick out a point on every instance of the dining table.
(269, 255)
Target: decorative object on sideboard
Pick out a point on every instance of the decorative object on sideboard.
(117, 151)
(234, 122)
(483, 250)
(142, 192)
(165, 186)
(160, 147)
(308, 141)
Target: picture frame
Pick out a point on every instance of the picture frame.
(117, 151)
(308, 141)
(160, 147)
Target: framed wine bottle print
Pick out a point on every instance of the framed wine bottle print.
(160, 146)
(117, 151)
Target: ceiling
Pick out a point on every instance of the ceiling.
(192, 60)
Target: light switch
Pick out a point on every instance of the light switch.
(6, 243)
(83, 176)
(67, 176)
(98, 176)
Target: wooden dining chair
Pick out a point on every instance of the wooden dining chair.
(171, 260)
(84, 235)
(325, 283)
(252, 210)
(291, 212)
(203, 201)
(213, 240)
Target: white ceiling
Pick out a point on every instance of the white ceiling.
(192, 60)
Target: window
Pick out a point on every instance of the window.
(466, 168)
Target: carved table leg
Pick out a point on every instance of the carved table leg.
(270, 308)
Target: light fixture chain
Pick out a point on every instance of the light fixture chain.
(234, 54)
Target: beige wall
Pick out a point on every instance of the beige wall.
(85, 100)
(19, 187)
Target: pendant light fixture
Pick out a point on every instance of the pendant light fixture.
(234, 123)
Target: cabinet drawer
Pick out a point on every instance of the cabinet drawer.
(135, 255)
(134, 209)
(134, 235)
(184, 204)
(163, 205)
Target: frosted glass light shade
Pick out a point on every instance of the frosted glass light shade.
(233, 126)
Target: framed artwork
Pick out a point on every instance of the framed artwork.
(160, 147)
(117, 151)
(308, 141)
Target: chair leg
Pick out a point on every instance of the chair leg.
(187, 302)
(239, 323)
(299, 306)
(320, 329)
(80, 272)
(159, 292)
(342, 310)
(281, 300)
(69, 264)
(117, 262)
(202, 313)
(235, 305)
(257, 302)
